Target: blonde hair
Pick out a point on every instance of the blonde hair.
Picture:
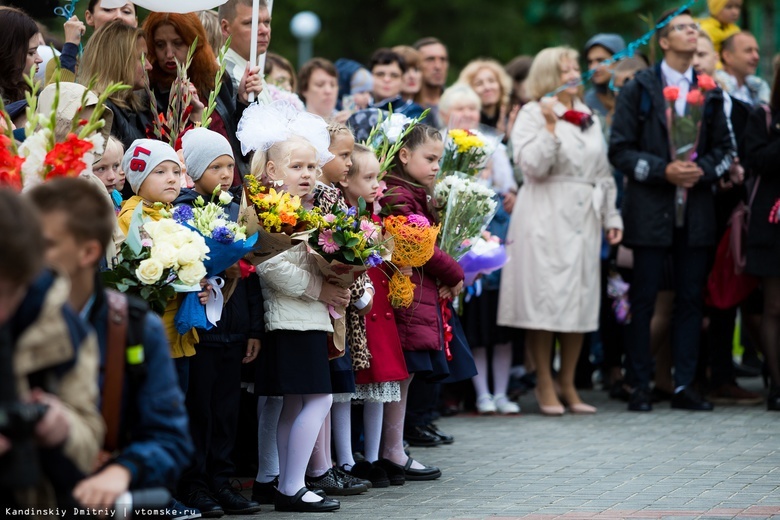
(471, 70)
(459, 92)
(336, 129)
(545, 74)
(410, 55)
(278, 153)
(210, 22)
(110, 56)
(111, 141)
(358, 151)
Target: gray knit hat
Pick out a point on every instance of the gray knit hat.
(143, 156)
(614, 43)
(201, 147)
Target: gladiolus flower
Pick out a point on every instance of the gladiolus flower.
(671, 93)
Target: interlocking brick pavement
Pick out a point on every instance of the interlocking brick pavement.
(667, 464)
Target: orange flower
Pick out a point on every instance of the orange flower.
(671, 93)
(695, 97)
(65, 158)
(706, 82)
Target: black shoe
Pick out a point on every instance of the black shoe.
(773, 402)
(657, 395)
(234, 503)
(332, 484)
(618, 391)
(365, 470)
(640, 401)
(689, 399)
(351, 479)
(295, 503)
(202, 500)
(264, 492)
(426, 473)
(445, 439)
(420, 437)
(395, 473)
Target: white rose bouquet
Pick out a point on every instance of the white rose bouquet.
(158, 259)
(465, 208)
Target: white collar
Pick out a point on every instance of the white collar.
(236, 58)
(673, 77)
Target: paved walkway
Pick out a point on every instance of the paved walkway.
(668, 464)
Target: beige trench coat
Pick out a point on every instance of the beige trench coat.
(552, 280)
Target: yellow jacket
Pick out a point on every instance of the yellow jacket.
(718, 32)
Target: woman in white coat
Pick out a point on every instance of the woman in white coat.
(551, 285)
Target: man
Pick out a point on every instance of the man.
(235, 18)
(723, 382)
(149, 441)
(657, 225)
(597, 50)
(434, 62)
(49, 358)
(740, 60)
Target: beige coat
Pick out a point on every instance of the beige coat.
(552, 280)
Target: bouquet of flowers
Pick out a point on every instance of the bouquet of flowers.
(386, 137)
(227, 243)
(467, 151)
(466, 208)
(684, 132)
(279, 218)
(487, 254)
(157, 260)
(414, 239)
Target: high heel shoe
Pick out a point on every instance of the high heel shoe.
(582, 408)
(553, 410)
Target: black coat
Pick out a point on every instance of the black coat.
(762, 150)
(639, 147)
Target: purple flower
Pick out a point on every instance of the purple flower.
(374, 259)
(182, 214)
(222, 235)
(418, 220)
(352, 211)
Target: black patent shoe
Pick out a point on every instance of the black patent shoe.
(773, 401)
(395, 473)
(420, 437)
(425, 473)
(234, 503)
(366, 471)
(295, 503)
(443, 437)
(640, 401)
(264, 492)
(689, 399)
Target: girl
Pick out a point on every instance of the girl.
(380, 382)
(294, 359)
(19, 40)
(410, 186)
(107, 170)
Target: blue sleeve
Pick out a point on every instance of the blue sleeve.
(161, 448)
(69, 56)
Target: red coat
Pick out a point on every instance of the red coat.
(419, 326)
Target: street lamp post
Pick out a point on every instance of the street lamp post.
(305, 26)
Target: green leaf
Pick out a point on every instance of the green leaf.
(349, 255)
(361, 205)
(352, 242)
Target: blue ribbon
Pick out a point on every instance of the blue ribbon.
(629, 51)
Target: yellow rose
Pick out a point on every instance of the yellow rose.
(164, 253)
(149, 271)
(192, 274)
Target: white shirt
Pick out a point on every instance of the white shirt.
(672, 78)
(236, 65)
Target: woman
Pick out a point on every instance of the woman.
(280, 72)
(19, 42)
(412, 78)
(494, 86)
(387, 69)
(169, 37)
(97, 16)
(115, 54)
(551, 287)
(318, 87)
(763, 240)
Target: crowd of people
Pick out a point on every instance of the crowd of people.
(634, 253)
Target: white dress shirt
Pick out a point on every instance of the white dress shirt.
(672, 78)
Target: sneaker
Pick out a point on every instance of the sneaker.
(486, 405)
(504, 406)
(352, 479)
(332, 484)
(732, 393)
(181, 512)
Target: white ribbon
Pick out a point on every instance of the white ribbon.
(216, 301)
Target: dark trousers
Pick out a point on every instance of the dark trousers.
(721, 339)
(213, 404)
(690, 265)
(422, 402)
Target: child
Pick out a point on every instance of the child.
(213, 403)
(294, 359)
(410, 186)
(154, 173)
(722, 22)
(107, 170)
(321, 473)
(380, 382)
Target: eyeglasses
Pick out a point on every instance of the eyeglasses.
(682, 27)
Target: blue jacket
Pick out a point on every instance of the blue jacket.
(155, 440)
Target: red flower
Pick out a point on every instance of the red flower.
(581, 119)
(695, 97)
(65, 158)
(10, 166)
(706, 82)
(671, 93)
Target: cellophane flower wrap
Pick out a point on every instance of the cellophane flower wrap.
(227, 243)
(414, 239)
(157, 260)
(467, 151)
(466, 208)
(684, 132)
(487, 254)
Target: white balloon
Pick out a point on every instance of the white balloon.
(167, 6)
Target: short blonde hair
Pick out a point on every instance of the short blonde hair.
(471, 70)
(279, 153)
(459, 92)
(545, 74)
(210, 22)
(410, 55)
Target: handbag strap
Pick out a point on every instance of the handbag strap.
(768, 114)
(113, 378)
